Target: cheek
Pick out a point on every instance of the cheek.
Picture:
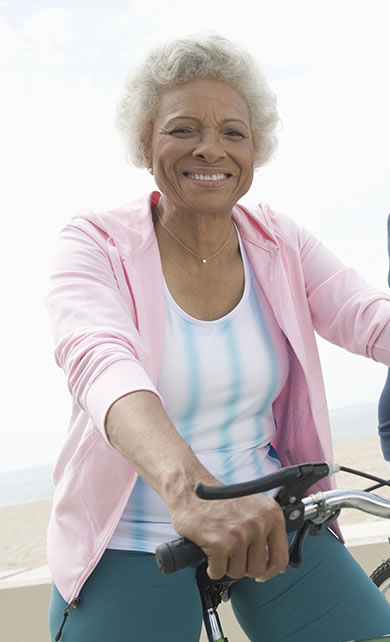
(164, 169)
(246, 165)
(244, 157)
(164, 158)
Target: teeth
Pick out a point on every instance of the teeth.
(207, 177)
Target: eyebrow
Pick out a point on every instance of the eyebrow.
(223, 122)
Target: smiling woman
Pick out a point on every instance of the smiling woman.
(185, 324)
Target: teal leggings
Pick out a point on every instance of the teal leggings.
(126, 599)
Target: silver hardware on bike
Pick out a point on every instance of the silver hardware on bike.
(213, 625)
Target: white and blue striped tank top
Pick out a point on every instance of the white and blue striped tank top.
(218, 380)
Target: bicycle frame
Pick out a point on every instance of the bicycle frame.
(212, 592)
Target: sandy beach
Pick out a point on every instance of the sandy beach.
(23, 535)
(23, 527)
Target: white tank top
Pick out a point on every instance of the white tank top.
(218, 380)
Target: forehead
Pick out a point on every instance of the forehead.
(198, 97)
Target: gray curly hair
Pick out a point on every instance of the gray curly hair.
(179, 61)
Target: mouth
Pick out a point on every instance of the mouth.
(207, 178)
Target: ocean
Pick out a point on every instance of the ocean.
(26, 485)
(34, 484)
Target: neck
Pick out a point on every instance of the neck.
(202, 232)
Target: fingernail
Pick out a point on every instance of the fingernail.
(259, 579)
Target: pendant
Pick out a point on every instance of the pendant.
(204, 260)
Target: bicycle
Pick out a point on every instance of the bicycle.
(306, 515)
(381, 574)
(381, 577)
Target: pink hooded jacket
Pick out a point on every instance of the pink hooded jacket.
(106, 304)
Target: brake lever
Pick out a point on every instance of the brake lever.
(297, 478)
(290, 499)
(290, 496)
(307, 476)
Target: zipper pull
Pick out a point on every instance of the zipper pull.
(73, 605)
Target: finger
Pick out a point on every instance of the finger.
(257, 559)
(238, 563)
(278, 555)
(217, 566)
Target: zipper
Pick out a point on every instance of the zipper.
(71, 606)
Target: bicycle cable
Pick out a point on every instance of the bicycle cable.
(380, 482)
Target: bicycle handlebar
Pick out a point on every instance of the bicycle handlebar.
(319, 508)
(320, 505)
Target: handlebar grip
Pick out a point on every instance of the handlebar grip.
(177, 554)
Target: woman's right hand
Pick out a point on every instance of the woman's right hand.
(241, 537)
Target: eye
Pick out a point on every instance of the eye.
(181, 131)
(233, 133)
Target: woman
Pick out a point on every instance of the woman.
(185, 325)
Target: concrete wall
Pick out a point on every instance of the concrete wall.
(23, 614)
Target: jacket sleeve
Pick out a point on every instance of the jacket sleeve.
(344, 308)
(97, 342)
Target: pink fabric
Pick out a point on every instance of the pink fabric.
(106, 305)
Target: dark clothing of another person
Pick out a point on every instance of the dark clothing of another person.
(384, 401)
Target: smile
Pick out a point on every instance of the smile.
(207, 177)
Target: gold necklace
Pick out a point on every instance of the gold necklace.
(202, 259)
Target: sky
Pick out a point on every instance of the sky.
(62, 69)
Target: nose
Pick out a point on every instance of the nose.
(209, 148)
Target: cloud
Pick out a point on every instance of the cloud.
(46, 33)
(39, 38)
(51, 26)
(11, 42)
